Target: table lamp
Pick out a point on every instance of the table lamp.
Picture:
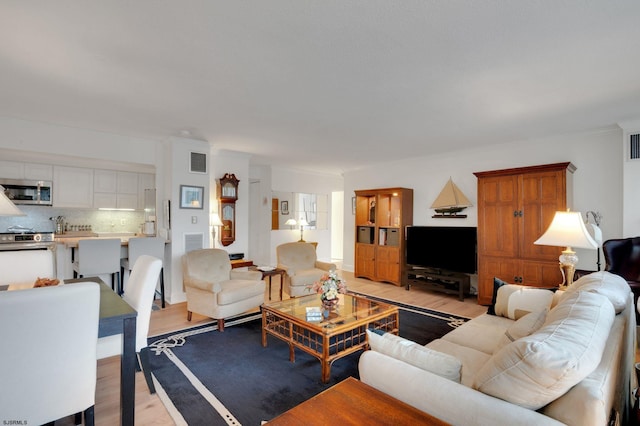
(567, 230)
(302, 222)
(291, 223)
(214, 220)
(7, 208)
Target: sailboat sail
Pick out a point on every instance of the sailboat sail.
(451, 199)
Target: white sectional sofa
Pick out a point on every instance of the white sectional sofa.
(545, 359)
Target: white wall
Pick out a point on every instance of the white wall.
(260, 215)
(597, 180)
(291, 180)
(631, 186)
(182, 220)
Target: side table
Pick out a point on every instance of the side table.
(241, 263)
(270, 274)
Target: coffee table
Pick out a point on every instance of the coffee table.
(328, 339)
(352, 402)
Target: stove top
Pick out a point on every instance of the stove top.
(17, 237)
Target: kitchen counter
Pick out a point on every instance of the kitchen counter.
(70, 240)
(67, 244)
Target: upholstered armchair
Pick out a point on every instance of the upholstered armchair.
(622, 257)
(302, 266)
(217, 291)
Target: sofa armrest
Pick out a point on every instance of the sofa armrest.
(326, 266)
(246, 275)
(202, 285)
(447, 400)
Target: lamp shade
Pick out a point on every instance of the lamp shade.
(7, 208)
(291, 222)
(303, 222)
(215, 219)
(567, 230)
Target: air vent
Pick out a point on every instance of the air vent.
(198, 162)
(193, 242)
(634, 146)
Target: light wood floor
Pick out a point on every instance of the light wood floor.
(149, 408)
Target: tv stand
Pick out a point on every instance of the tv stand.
(438, 280)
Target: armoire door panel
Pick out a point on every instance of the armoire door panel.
(490, 267)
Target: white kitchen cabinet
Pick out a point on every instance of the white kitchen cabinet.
(30, 171)
(127, 183)
(11, 170)
(115, 190)
(72, 187)
(105, 181)
(127, 201)
(34, 171)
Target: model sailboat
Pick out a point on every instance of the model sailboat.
(450, 202)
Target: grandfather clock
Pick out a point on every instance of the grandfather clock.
(228, 190)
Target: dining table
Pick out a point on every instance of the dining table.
(118, 317)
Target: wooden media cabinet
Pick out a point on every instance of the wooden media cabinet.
(438, 280)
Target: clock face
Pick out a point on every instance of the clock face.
(229, 190)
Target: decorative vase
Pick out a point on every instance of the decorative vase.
(328, 306)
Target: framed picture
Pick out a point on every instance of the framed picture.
(353, 205)
(284, 207)
(191, 197)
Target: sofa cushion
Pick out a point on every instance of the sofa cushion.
(482, 333)
(612, 286)
(537, 369)
(443, 365)
(525, 326)
(470, 358)
(234, 291)
(515, 301)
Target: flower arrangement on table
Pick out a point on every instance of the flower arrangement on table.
(329, 286)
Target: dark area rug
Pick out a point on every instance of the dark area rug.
(253, 383)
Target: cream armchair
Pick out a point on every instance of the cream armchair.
(303, 269)
(215, 290)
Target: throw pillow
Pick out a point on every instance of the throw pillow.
(515, 301)
(439, 363)
(539, 368)
(523, 327)
(612, 286)
(497, 283)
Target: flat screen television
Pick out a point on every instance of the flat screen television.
(449, 248)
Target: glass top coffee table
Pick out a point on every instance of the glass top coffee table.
(328, 339)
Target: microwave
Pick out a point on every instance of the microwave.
(36, 192)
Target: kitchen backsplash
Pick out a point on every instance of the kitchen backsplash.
(37, 218)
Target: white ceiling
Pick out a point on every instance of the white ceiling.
(330, 84)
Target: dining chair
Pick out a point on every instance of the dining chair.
(48, 360)
(152, 246)
(139, 294)
(97, 257)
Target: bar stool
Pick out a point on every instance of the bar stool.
(98, 257)
(152, 246)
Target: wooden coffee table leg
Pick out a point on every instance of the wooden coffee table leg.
(326, 365)
(264, 328)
